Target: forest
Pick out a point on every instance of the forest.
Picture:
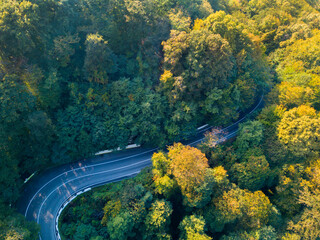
(81, 76)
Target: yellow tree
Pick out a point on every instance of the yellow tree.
(193, 228)
(189, 167)
(164, 183)
(186, 168)
(249, 210)
(291, 95)
(299, 131)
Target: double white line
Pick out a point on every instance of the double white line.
(121, 159)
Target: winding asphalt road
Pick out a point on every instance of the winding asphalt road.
(46, 194)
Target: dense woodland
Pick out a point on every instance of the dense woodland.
(80, 76)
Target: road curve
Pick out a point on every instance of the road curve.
(44, 196)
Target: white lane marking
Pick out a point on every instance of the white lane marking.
(70, 199)
(239, 119)
(92, 174)
(231, 124)
(88, 175)
(65, 204)
(93, 165)
(226, 137)
(145, 152)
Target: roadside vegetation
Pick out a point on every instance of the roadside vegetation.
(81, 76)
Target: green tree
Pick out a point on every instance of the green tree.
(265, 233)
(16, 104)
(75, 131)
(14, 226)
(252, 174)
(84, 232)
(98, 61)
(121, 227)
(205, 55)
(125, 214)
(179, 20)
(273, 149)
(19, 28)
(51, 92)
(307, 227)
(64, 49)
(287, 191)
(250, 136)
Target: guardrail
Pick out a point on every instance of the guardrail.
(199, 130)
(73, 196)
(118, 149)
(63, 206)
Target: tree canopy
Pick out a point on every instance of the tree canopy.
(81, 76)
